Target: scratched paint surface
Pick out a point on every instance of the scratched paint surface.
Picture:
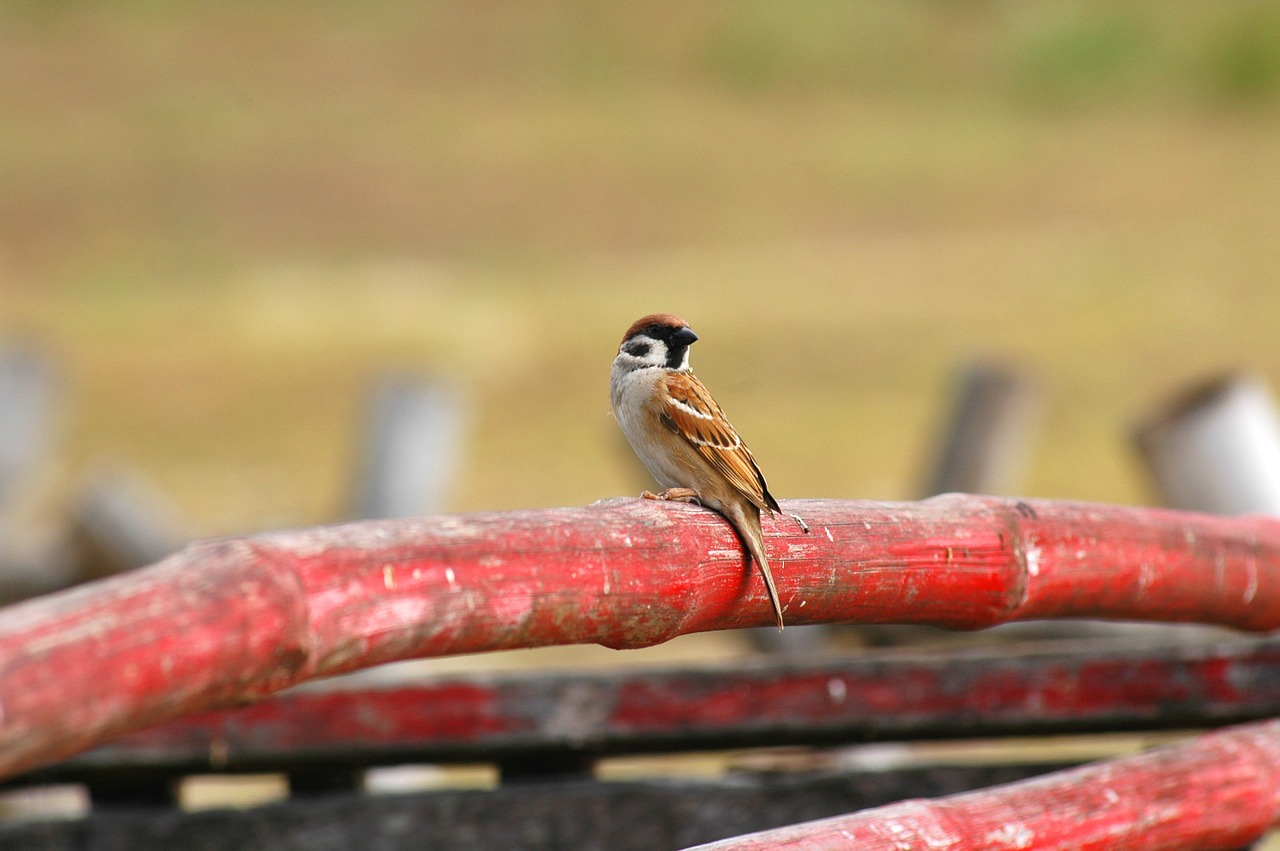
(1079, 686)
(228, 622)
(1218, 791)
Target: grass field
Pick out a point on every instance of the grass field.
(227, 219)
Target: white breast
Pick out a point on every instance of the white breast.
(633, 394)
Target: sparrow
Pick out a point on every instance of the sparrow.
(682, 436)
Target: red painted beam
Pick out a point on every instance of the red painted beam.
(1002, 691)
(227, 622)
(1221, 790)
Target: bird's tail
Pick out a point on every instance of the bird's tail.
(747, 521)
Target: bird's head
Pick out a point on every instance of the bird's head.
(659, 340)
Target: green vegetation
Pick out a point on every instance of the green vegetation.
(227, 218)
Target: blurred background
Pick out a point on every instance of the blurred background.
(222, 225)
(226, 221)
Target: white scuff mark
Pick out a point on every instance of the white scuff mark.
(1112, 796)
(1189, 536)
(1033, 559)
(626, 541)
(417, 573)
(829, 536)
(1013, 836)
(388, 576)
(1251, 589)
(606, 583)
(450, 577)
(837, 690)
(1144, 576)
(866, 524)
(803, 603)
(514, 607)
(923, 829)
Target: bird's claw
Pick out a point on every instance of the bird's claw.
(675, 495)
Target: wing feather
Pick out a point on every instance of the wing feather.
(692, 413)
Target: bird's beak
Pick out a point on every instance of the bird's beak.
(684, 336)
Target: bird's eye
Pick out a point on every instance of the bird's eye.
(638, 349)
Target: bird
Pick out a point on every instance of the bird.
(681, 435)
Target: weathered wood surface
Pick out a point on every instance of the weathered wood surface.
(1216, 448)
(998, 691)
(28, 398)
(120, 521)
(1221, 790)
(984, 443)
(410, 450)
(227, 622)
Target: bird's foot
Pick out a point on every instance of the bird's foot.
(675, 495)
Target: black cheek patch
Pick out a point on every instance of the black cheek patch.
(638, 349)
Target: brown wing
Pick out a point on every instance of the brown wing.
(692, 413)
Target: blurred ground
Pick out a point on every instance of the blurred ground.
(227, 218)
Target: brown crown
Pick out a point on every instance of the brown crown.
(665, 320)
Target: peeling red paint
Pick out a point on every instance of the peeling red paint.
(228, 622)
(1221, 790)
(1076, 686)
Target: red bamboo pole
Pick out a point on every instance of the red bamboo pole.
(1007, 690)
(1218, 791)
(225, 622)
